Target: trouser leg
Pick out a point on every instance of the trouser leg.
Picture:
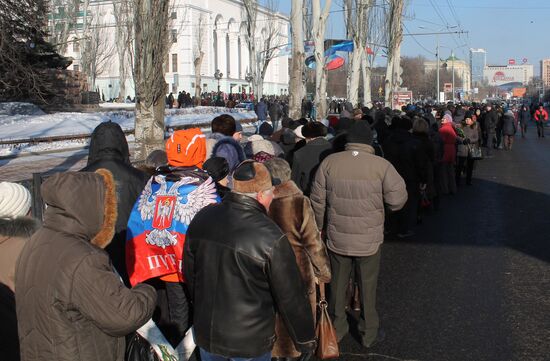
(490, 138)
(369, 322)
(341, 267)
(460, 168)
(469, 170)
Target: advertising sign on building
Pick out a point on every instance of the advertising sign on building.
(519, 92)
(448, 87)
(401, 98)
(524, 60)
(511, 61)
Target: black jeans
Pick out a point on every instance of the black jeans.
(540, 129)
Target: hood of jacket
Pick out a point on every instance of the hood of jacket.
(81, 204)
(22, 227)
(108, 142)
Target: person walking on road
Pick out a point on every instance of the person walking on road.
(350, 193)
(471, 132)
(491, 120)
(239, 277)
(524, 116)
(508, 129)
(541, 117)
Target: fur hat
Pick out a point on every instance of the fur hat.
(314, 130)
(251, 177)
(186, 148)
(360, 132)
(15, 200)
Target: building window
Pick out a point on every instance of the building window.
(76, 46)
(227, 55)
(174, 88)
(174, 15)
(174, 63)
(76, 67)
(174, 35)
(192, 85)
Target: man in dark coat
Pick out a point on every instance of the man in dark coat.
(524, 116)
(405, 153)
(490, 122)
(109, 150)
(307, 159)
(235, 309)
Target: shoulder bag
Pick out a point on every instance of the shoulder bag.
(326, 334)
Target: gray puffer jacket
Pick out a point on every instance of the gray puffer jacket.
(471, 134)
(349, 196)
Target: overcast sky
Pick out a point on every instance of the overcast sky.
(507, 29)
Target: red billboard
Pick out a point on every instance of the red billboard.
(511, 61)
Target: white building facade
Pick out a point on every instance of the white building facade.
(222, 26)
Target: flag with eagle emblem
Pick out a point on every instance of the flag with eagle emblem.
(158, 225)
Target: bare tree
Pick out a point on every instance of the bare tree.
(198, 55)
(296, 86)
(124, 37)
(374, 40)
(63, 20)
(356, 27)
(270, 41)
(319, 22)
(395, 37)
(250, 15)
(151, 50)
(96, 50)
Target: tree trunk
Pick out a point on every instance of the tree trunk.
(395, 30)
(296, 86)
(366, 71)
(198, 78)
(149, 129)
(151, 49)
(319, 26)
(354, 74)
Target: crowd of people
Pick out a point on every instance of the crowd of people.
(213, 248)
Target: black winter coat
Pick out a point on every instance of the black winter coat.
(406, 154)
(491, 121)
(306, 162)
(240, 269)
(109, 150)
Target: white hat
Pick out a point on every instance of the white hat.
(298, 132)
(15, 200)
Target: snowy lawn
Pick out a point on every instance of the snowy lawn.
(20, 121)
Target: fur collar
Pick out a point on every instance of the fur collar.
(22, 227)
(107, 231)
(287, 189)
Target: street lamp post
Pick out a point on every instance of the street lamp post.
(248, 77)
(218, 75)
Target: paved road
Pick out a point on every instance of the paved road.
(474, 283)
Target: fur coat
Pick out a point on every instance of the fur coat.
(292, 211)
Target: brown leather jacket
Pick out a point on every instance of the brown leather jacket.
(70, 304)
(351, 191)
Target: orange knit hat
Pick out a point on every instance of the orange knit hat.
(186, 148)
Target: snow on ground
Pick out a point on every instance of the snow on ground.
(20, 121)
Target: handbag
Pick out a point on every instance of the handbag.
(326, 334)
(139, 349)
(474, 152)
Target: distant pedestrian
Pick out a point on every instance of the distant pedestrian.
(261, 111)
(524, 116)
(541, 117)
(447, 169)
(508, 129)
(471, 133)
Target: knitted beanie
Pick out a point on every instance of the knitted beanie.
(15, 200)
